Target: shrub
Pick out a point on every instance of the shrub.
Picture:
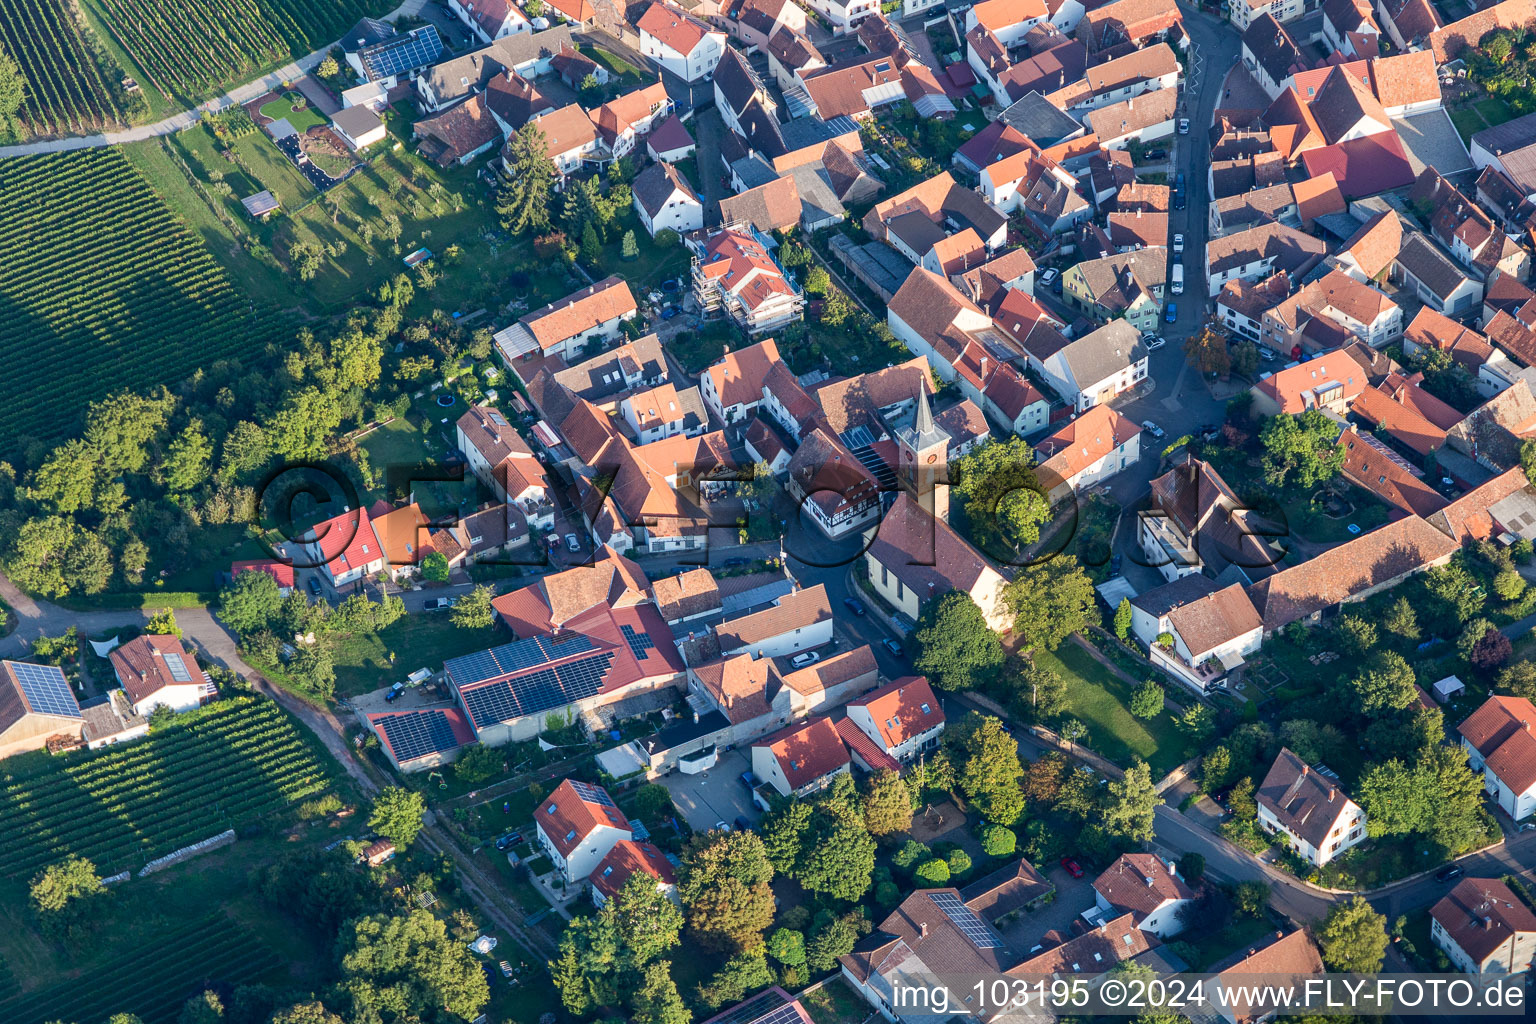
(911, 853)
(998, 841)
(959, 862)
(931, 874)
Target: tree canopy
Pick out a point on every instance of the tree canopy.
(1132, 806)
(397, 815)
(1051, 600)
(955, 646)
(725, 891)
(1353, 937)
(524, 200)
(987, 767)
(1004, 500)
(406, 964)
(1301, 449)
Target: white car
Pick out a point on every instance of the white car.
(572, 542)
(1178, 245)
(804, 659)
(1154, 343)
(1183, 126)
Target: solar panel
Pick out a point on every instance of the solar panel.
(965, 919)
(405, 53)
(45, 689)
(638, 642)
(786, 1014)
(178, 668)
(752, 1009)
(592, 794)
(517, 656)
(536, 692)
(415, 734)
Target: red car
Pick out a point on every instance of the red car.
(1073, 867)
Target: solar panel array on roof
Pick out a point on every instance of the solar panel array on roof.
(413, 734)
(592, 794)
(46, 690)
(178, 668)
(416, 49)
(517, 656)
(786, 1014)
(753, 1009)
(965, 919)
(536, 692)
(639, 641)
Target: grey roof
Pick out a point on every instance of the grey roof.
(1041, 120)
(923, 434)
(642, 356)
(969, 209)
(1429, 265)
(447, 80)
(356, 121)
(1272, 47)
(736, 81)
(365, 33)
(656, 184)
(1509, 136)
(915, 229)
(1104, 352)
(1517, 513)
(753, 171)
(818, 200)
(1159, 601)
(807, 131)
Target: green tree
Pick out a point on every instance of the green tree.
(1456, 589)
(931, 874)
(839, 853)
(591, 245)
(125, 1018)
(1043, 690)
(783, 830)
(328, 67)
(206, 1008)
(787, 946)
(313, 668)
(474, 609)
(629, 249)
(817, 281)
(409, 967)
(163, 623)
(523, 200)
(434, 567)
(1386, 684)
(1357, 635)
(478, 763)
(657, 1001)
(1147, 700)
(1517, 680)
(1240, 799)
(1192, 867)
(1132, 804)
(835, 938)
(887, 804)
(1248, 898)
(1123, 620)
(65, 885)
(959, 862)
(1004, 500)
(1509, 585)
(1197, 722)
(1301, 449)
(250, 602)
(724, 886)
(312, 1012)
(739, 976)
(645, 920)
(998, 841)
(987, 767)
(1400, 620)
(302, 424)
(1207, 352)
(1353, 937)
(12, 92)
(1051, 600)
(955, 646)
(1216, 769)
(397, 815)
(1473, 632)
(187, 459)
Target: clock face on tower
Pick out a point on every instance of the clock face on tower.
(932, 459)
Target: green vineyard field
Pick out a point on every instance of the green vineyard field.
(104, 290)
(232, 763)
(66, 92)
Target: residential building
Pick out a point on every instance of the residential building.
(359, 127)
(1197, 630)
(680, 43)
(1086, 451)
(37, 708)
(344, 548)
(490, 20)
(1305, 807)
(422, 738)
(526, 54)
(1498, 742)
(1145, 118)
(1484, 927)
(1281, 958)
(733, 273)
(156, 670)
(1357, 309)
(1198, 524)
(1097, 367)
(1149, 889)
(1259, 252)
(689, 595)
(1242, 13)
(565, 327)
(578, 825)
(801, 760)
(1241, 306)
(1123, 285)
(666, 202)
(733, 387)
(570, 138)
(799, 621)
(625, 121)
(903, 718)
(627, 859)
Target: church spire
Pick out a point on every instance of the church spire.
(924, 423)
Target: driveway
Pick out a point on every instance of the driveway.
(715, 795)
(1073, 896)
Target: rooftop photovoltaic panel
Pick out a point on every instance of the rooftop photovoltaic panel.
(965, 919)
(414, 734)
(753, 1009)
(638, 642)
(46, 690)
(786, 1014)
(592, 794)
(178, 668)
(536, 692)
(518, 656)
(403, 53)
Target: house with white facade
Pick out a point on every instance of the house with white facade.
(578, 825)
(564, 327)
(491, 20)
(679, 42)
(500, 459)
(1484, 928)
(804, 759)
(344, 547)
(1498, 741)
(1009, 20)
(798, 621)
(627, 859)
(1087, 450)
(1196, 630)
(666, 202)
(1147, 887)
(843, 16)
(902, 718)
(1097, 367)
(155, 671)
(1305, 809)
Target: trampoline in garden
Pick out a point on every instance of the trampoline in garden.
(446, 400)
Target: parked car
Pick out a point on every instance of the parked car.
(1266, 355)
(749, 780)
(855, 606)
(1153, 429)
(394, 693)
(1114, 566)
(1155, 342)
(437, 604)
(1072, 867)
(742, 824)
(509, 840)
(1171, 314)
(721, 826)
(1178, 245)
(894, 647)
(1049, 275)
(1183, 126)
(1449, 874)
(804, 658)
(574, 543)
(736, 562)
(313, 583)
(1153, 155)
(1179, 201)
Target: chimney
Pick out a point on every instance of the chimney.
(1487, 923)
(922, 929)
(983, 369)
(1331, 791)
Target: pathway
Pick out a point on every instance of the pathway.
(187, 118)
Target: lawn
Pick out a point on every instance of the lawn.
(301, 117)
(615, 64)
(417, 640)
(1100, 700)
(835, 1003)
(1204, 947)
(652, 266)
(1467, 123)
(422, 439)
(1297, 513)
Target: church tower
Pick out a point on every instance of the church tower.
(924, 460)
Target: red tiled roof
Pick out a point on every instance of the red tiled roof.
(141, 667)
(673, 27)
(282, 572)
(807, 751)
(1483, 914)
(627, 857)
(1140, 883)
(568, 817)
(347, 541)
(865, 749)
(902, 709)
